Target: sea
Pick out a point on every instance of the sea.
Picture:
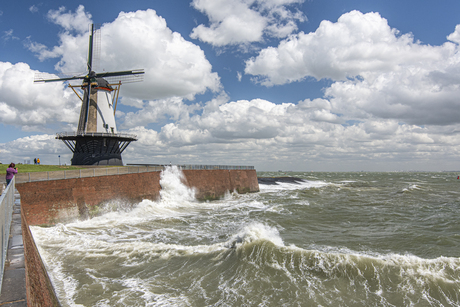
(327, 239)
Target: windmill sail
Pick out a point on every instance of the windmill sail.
(97, 140)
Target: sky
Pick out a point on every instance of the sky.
(292, 85)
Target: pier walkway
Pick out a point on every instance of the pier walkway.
(14, 279)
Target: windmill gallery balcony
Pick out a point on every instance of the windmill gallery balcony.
(96, 148)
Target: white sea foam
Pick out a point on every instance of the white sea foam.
(97, 246)
(301, 185)
(75, 242)
(420, 269)
(219, 251)
(173, 188)
(65, 285)
(331, 261)
(176, 200)
(412, 187)
(256, 232)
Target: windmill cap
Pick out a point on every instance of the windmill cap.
(101, 82)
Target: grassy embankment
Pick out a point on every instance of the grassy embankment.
(30, 168)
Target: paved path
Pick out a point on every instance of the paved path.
(14, 278)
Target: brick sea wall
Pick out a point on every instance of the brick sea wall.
(39, 289)
(52, 201)
(213, 184)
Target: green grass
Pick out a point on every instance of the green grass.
(30, 168)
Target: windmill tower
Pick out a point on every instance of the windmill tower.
(97, 141)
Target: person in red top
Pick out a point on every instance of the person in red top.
(10, 172)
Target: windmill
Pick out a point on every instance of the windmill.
(97, 141)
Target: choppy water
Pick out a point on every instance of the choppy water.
(337, 239)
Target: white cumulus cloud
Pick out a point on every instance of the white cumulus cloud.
(34, 106)
(241, 22)
(378, 72)
(294, 135)
(134, 40)
(356, 44)
(78, 21)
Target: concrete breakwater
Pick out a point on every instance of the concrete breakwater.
(53, 201)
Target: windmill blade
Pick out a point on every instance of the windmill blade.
(119, 73)
(41, 77)
(125, 79)
(94, 47)
(128, 76)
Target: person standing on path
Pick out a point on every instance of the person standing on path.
(10, 172)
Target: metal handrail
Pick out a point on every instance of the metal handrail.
(6, 215)
(95, 134)
(199, 166)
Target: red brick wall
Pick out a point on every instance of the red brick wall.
(212, 184)
(52, 201)
(39, 289)
(49, 202)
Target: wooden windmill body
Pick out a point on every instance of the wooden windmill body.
(97, 141)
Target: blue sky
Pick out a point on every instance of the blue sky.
(278, 84)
